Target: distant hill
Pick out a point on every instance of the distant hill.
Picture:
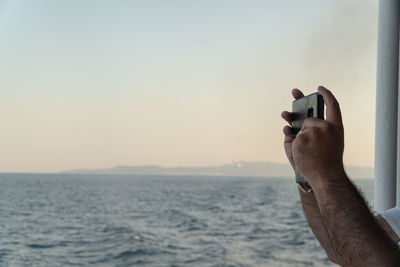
(241, 168)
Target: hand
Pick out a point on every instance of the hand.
(318, 148)
(287, 130)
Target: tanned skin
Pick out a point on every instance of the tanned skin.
(335, 210)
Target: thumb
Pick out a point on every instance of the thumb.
(333, 113)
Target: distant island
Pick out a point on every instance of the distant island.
(239, 168)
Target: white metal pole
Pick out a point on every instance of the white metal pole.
(398, 120)
(386, 105)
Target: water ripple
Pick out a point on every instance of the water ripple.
(70, 220)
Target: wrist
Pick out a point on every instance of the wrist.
(326, 179)
(331, 192)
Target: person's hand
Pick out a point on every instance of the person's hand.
(317, 150)
(287, 130)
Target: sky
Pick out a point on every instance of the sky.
(94, 84)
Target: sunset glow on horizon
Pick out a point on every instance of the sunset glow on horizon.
(94, 84)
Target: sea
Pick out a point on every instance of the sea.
(128, 220)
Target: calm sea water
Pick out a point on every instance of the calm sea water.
(99, 220)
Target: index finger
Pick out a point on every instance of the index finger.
(333, 113)
(287, 116)
(296, 93)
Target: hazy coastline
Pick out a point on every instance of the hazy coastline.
(239, 168)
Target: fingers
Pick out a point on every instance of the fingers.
(333, 113)
(287, 131)
(287, 143)
(296, 93)
(288, 135)
(287, 116)
(311, 122)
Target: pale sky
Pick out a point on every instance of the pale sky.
(93, 84)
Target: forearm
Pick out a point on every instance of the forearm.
(355, 234)
(387, 228)
(314, 218)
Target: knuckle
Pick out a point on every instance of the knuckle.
(301, 138)
(314, 129)
(336, 104)
(325, 126)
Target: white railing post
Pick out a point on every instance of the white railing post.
(386, 105)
